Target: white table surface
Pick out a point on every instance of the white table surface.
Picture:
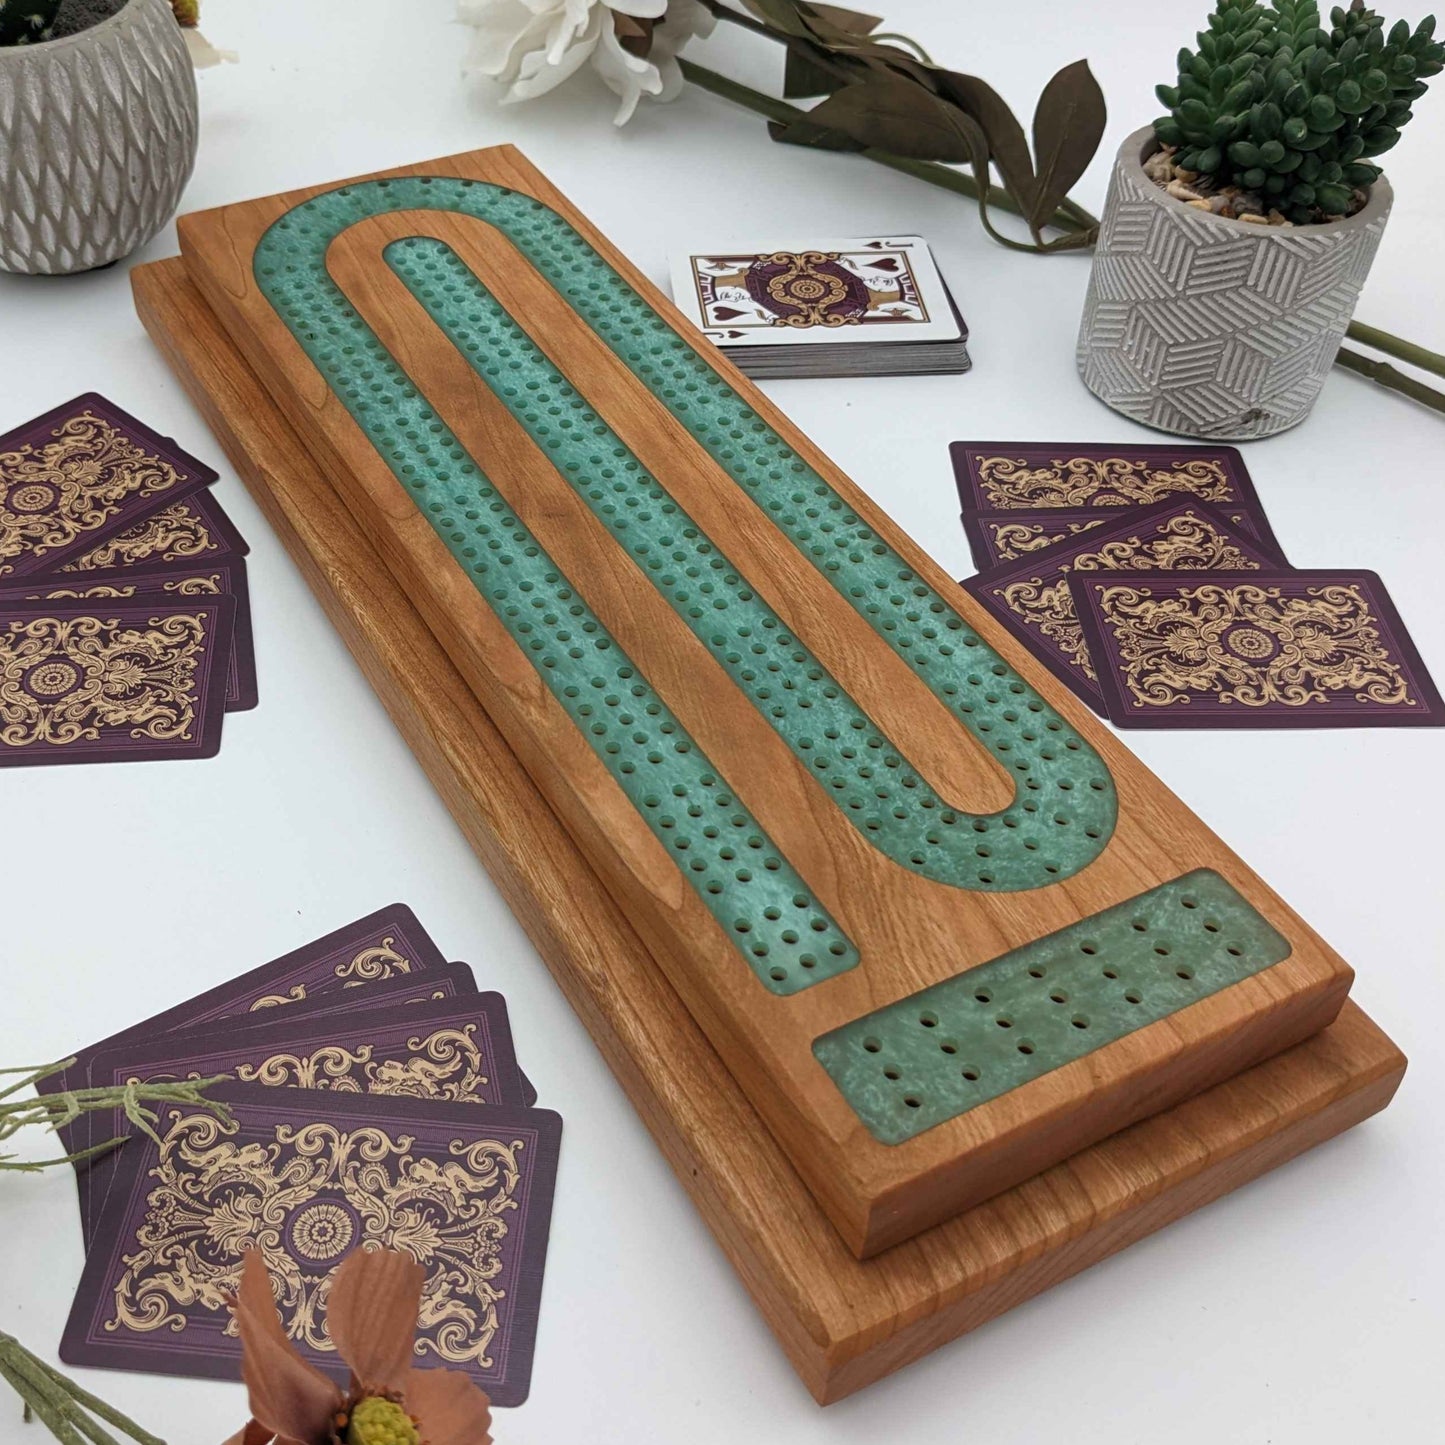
(1309, 1307)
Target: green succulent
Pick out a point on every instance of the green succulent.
(26, 22)
(1273, 102)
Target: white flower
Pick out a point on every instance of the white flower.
(531, 46)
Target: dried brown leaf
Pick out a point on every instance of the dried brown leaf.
(1068, 126)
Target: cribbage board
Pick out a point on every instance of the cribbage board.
(842, 1322)
(942, 929)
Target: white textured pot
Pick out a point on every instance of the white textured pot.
(1209, 327)
(97, 140)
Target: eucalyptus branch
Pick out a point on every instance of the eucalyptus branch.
(1397, 347)
(1390, 377)
(62, 1108)
(70, 1413)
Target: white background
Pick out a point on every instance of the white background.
(1307, 1308)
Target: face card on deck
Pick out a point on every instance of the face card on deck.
(307, 1175)
(1032, 597)
(129, 680)
(80, 473)
(1032, 476)
(387, 944)
(996, 538)
(866, 290)
(226, 578)
(192, 530)
(1314, 648)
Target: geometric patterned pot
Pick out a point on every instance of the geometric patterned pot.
(1210, 327)
(97, 140)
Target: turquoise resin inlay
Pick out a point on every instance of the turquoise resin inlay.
(949, 1048)
(1064, 809)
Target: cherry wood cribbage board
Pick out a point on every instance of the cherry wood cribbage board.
(942, 929)
(843, 1322)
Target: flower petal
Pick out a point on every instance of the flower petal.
(254, 1433)
(451, 1409)
(371, 1315)
(288, 1397)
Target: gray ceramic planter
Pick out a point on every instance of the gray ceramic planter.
(97, 140)
(1209, 327)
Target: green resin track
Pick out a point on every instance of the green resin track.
(960, 1043)
(1064, 808)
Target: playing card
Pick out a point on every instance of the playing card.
(222, 578)
(449, 1049)
(78, 474)
(1315, 648)
(306, 1176)
(387, 944)
(1012, 476)
(113, 682)
(196, 529)
(817, 293)
(998, 537)
(1032, 597)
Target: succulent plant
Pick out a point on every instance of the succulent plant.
(1273, 102)
(26, 22)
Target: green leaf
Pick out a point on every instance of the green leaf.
(886, 114)
(1068, 126)
(1007, 144)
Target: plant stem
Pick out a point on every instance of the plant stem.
(1069, 217)
(1388, 376)
(1397, 347)
(60, 1404)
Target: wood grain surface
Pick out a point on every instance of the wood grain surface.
(843, 1322)
(911, 932)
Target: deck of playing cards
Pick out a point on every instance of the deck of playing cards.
(125, 621)
(871, 307)
(1092, 555)
(374, 1099)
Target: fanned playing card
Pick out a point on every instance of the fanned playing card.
(80, 473)
(1032, 597)
(128, 680)
(1314, 648)
(1031, 476)
(387, 944)
(306, 1176)
(226, 577)
(995, 538)
(192, 530)
(449, 1049)
(330, 1009)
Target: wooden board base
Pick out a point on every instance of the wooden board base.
(843, 1323)
(723, 666)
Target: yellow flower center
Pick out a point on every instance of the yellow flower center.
(375, 1421)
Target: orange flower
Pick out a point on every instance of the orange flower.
(371, 1317)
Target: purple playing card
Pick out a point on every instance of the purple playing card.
(383, 945)
(226, 577)
(306, 1176)
(79, 474)
(998, 538)
(117, 681)
(1032, 599)
(1267, 649)
(192, 530)
(1009, 476)
(449, 1049)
